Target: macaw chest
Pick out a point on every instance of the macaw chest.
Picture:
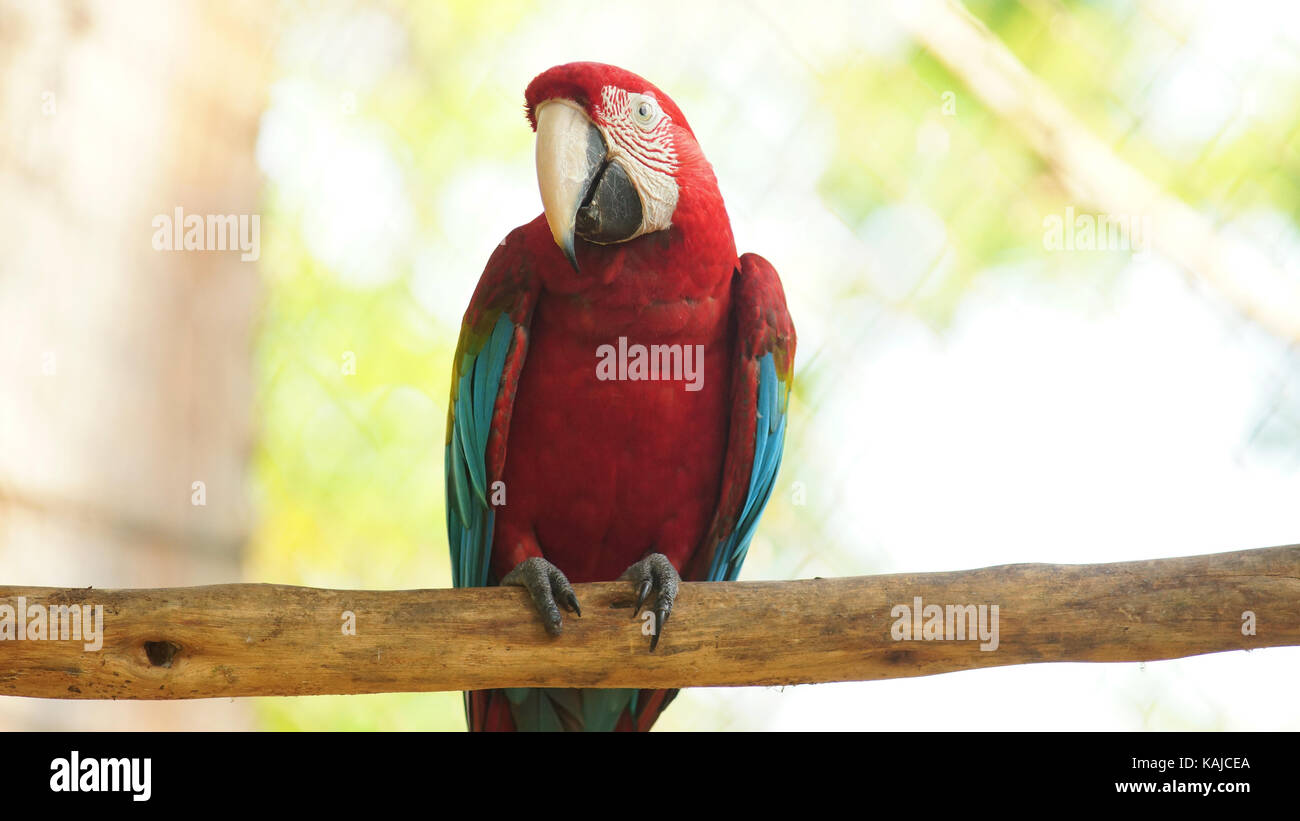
(616, 447)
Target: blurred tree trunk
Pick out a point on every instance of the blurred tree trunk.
(125, 372)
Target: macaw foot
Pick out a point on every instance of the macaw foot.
(654, 572)
(547, 585)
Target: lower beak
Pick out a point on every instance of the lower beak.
(583, 192)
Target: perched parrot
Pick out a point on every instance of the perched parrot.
(619, 392)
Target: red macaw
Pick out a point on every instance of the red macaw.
(620, 383)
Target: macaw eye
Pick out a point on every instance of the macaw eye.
(645, 112)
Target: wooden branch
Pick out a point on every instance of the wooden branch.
(259, 639)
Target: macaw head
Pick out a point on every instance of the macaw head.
(615, 157)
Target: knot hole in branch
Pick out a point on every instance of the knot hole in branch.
(161, 653)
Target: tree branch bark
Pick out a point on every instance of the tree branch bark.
(262, 640)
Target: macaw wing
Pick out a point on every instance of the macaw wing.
(485, 374)
(762, 375)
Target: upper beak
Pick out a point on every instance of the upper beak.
(570, 155)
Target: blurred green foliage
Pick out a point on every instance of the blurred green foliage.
(352, 406)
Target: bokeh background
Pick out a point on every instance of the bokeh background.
(968, 393)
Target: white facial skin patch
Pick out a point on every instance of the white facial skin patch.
(639, 137)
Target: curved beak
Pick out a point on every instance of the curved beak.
(584, 191)
(570, 155)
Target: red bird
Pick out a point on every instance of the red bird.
(618, 399)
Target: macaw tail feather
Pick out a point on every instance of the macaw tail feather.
(566, 710)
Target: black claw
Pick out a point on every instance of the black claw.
(661, 618)
(572, 602)
(641, 596)
(651, 573)
(554, 621)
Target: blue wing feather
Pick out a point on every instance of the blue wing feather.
(769, 442)
(470, 518)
